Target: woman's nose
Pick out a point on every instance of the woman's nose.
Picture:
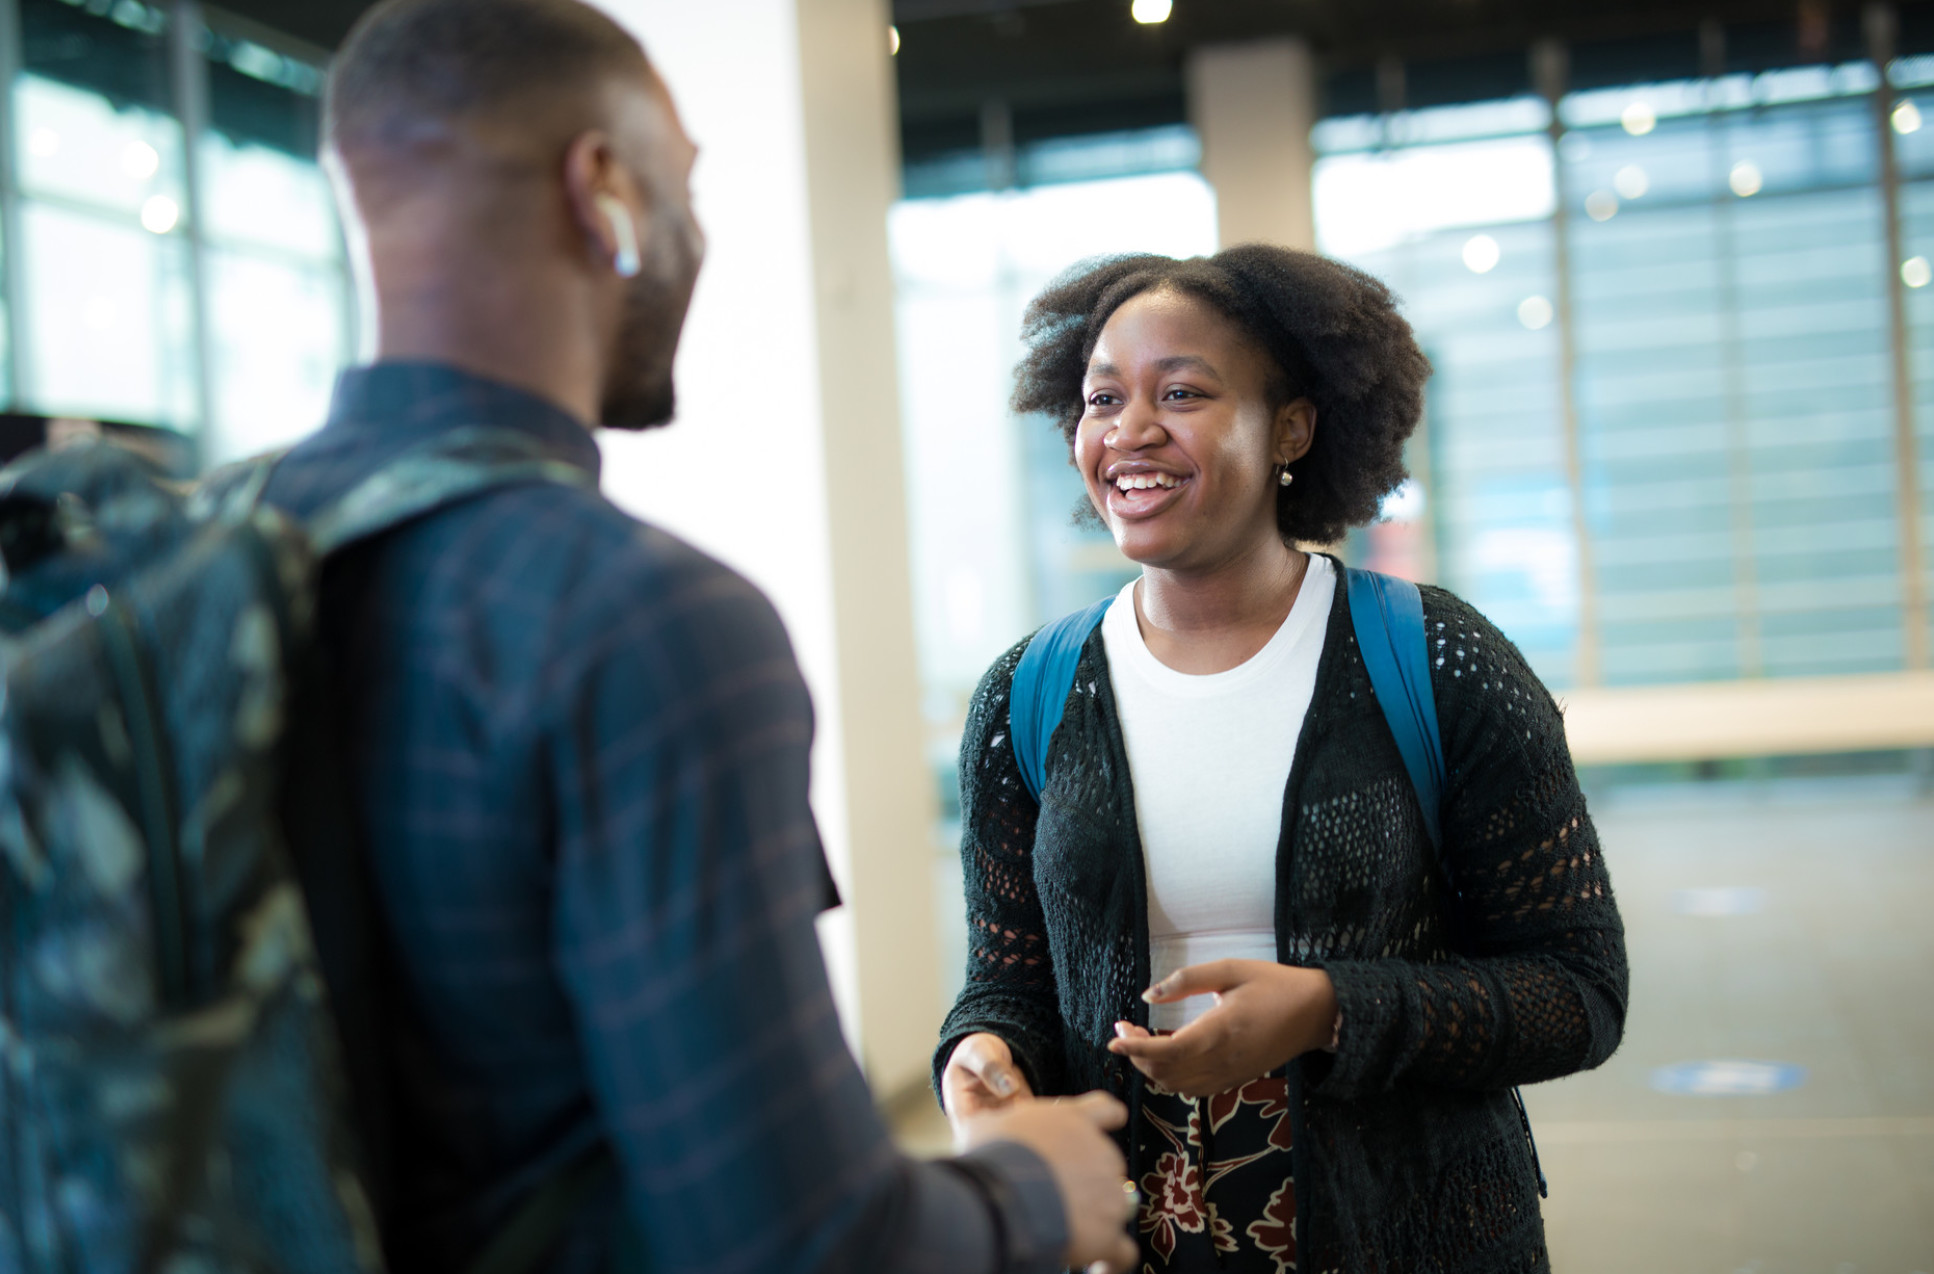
(1138, 426)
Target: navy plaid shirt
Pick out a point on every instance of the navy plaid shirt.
(578, 762)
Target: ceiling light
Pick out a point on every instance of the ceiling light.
(1150, 12)
(140, 160)
(1601, 205)
(1481, 253)
(1639, 118)
(1631, 181)
(159, 214)
(1907, 116)
(1534, 312)
(1916, 273)
(1745, 179)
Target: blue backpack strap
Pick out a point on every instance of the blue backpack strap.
(1039, 694)
(1388, 615)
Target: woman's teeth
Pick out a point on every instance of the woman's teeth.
(1144, 481)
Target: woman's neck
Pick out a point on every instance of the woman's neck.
(1211, 621)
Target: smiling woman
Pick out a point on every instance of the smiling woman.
(1227, 903)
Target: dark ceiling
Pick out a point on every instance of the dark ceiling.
(322, 23)
(1061, 67)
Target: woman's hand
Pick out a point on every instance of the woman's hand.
(1265, 1014)
(980, 1077)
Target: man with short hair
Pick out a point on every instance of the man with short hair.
(577, 747)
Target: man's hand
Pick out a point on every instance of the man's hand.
(980, 1078)
(1070, 1136)
(1265, 1015)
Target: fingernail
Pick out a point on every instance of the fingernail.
(1121, 1030)
(1002, 1084)
(1148, 996)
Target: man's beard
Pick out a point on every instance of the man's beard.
(640, 394)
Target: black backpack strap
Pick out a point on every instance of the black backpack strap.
(435, 474)
(446, 470)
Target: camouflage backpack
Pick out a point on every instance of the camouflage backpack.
(173, 1089)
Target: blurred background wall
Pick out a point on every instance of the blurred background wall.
(1671, 259)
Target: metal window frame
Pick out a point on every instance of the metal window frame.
(188, 84)
(1881, 28)
(1551, 73)
(13, 273)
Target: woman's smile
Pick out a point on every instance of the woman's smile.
(1137, 490)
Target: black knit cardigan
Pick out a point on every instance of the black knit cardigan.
(1408, 1155)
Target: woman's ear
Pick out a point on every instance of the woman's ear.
(1295, 430)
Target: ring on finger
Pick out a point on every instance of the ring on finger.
(1132, 1197)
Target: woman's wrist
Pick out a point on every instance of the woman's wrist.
(1321, 1014)
(1314, 1020)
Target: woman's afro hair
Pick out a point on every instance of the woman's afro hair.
(1333, 331)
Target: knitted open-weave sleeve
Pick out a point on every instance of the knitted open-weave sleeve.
(1537, 986)
(1010, 988)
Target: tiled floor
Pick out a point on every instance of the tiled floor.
(1834, 971)
(1818, 952)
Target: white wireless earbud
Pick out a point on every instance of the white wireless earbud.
(624, 231)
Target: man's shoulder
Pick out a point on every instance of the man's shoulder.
(561, 551)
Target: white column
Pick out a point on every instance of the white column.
(1253, 106)
(785, 460)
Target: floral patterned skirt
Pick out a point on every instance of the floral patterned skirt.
(1219, 1196)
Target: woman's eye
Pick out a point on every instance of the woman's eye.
(1179, 392)
(1101, 400)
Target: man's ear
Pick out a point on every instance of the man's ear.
(606, 204)
(1295, 430)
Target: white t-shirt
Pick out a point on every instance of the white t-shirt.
(1210, 758)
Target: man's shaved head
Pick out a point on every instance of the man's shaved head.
(511, 159)
(414, 69)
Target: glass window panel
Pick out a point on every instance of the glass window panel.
(1732, 332)
(274, 249)
(1913, 121)
(1369, 201)
(260, 180)
(993, 560)
(75, 144)
(1917, 246)
(1732, 380)
(252, 194)
(1479, 285)
(272, 380)
(110, 309)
